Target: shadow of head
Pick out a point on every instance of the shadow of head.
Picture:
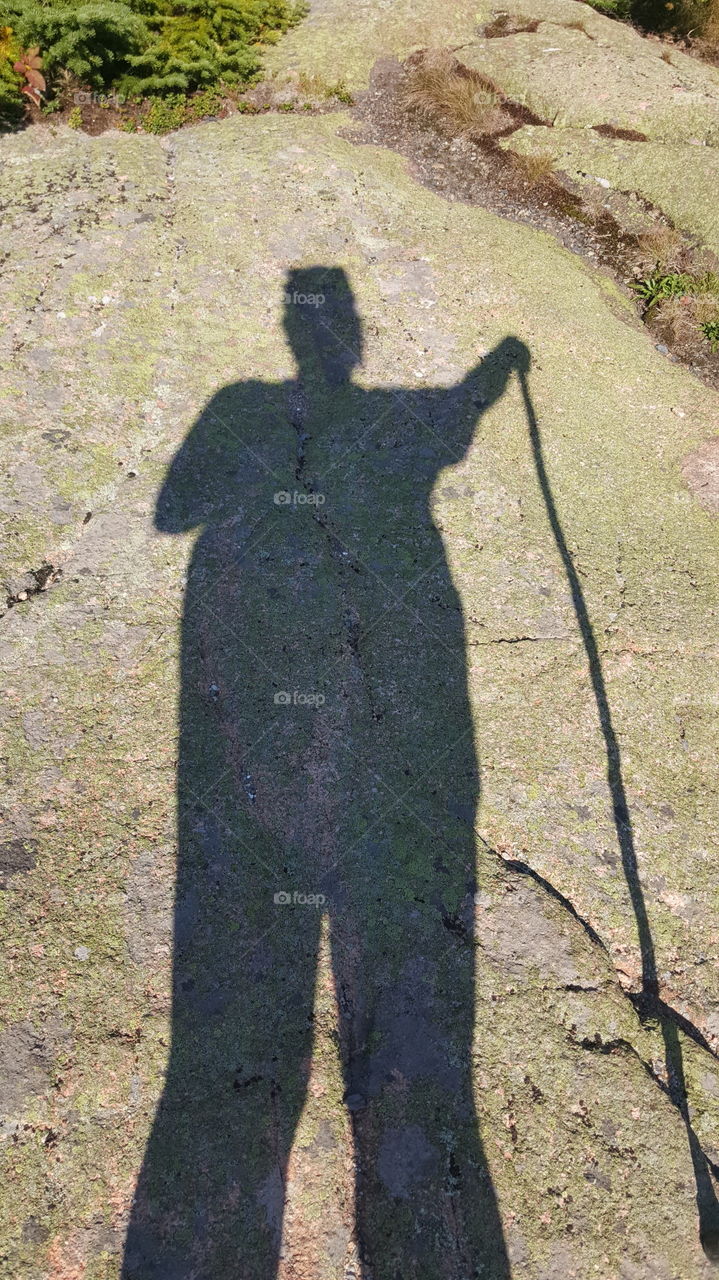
(321, 322)
(324, 331)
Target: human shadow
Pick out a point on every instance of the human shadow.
(327, 769)
(648, 1002)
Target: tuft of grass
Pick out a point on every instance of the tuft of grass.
(505, 25)
(439, 90)
(706, 311)
(74, 119)
(662, 246)
(690, 316)
(535, 168)
(313, 86)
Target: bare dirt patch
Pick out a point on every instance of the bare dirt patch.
(701, 472)
(462, 159)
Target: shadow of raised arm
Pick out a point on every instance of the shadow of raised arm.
(455, 410)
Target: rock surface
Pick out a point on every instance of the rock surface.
(681, 180)
(581, 69)
(142, 276)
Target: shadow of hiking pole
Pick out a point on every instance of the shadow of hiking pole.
(647, 1002)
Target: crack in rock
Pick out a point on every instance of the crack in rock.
(31, 583)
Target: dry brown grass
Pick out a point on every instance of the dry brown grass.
(706, 308)
(505, 25)
(313, 86)
(441, 92)
(710, 27)
(683, 317)
(661, 247)
(535, 168)
(577, 25)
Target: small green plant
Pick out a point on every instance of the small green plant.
(165, 114)
(93, 41)
(74, 119)
(206, 103)
(710, 329)
(660, 286)
(50, 108)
